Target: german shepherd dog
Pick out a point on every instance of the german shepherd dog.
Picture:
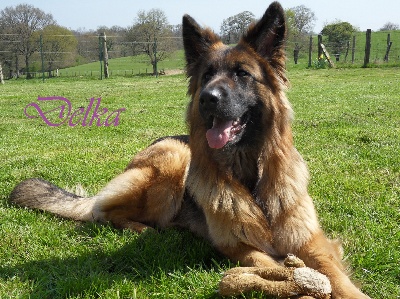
(237, 179)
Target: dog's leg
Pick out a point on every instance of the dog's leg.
(325, 256)
(136, 199)
(248, 256)
(149, 192)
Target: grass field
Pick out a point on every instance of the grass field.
(347, 126)
(126, 66)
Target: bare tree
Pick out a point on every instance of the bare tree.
(233, 27)
(151, 34)
(177, 34)
(22, 24)
(390, 26)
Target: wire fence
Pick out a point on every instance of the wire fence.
(349, 52)
(81, 55)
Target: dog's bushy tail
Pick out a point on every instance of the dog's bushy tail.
(42, 195)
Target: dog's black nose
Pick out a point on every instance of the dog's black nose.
(210, 97)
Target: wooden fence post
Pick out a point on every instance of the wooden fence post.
(367, 47)
(353, 49)
(1, 75)
(347, 51)
(296, 52)
(105, 54)
(310, 52)
(389, 45)
(319, 46)
(327, 56)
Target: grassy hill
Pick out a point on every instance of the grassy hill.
(127, 66)
(378, 46)
(378, 49)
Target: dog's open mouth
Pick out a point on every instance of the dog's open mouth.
(224, 131)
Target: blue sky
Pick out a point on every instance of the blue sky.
(90, 14)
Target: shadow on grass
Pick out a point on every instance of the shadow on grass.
(147, 262)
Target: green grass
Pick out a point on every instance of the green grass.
(347, 126)
(126, 66)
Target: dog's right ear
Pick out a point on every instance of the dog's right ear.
(196, 41)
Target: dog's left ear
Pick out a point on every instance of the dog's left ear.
(267, 36)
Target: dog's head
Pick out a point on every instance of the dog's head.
(237, 92)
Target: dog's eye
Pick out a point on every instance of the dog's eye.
(207, 76)
(242, 73)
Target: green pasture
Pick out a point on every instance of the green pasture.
(347, 127)
(126, 66)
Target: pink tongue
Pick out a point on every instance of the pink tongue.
(219, 134)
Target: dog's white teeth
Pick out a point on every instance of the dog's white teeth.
(236, 122)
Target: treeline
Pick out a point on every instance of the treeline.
(31, 40)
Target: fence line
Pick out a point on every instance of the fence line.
(351, 51)
(384, 50)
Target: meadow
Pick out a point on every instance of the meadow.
(126, 66)
(347, 127)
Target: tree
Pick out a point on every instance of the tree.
(338, 33)
(300, 20)
(233, 27)
(115, 36)
(22, 24)
(151, 34)
(177, 33)
(59, 47)
(390, 26)
(88, 45)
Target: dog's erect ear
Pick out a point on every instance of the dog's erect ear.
(196, 40)
(267, 36)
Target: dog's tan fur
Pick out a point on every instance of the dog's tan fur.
(250, 201)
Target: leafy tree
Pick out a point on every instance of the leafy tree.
(151, 34)
(59, 47)
(390, 26)
(233, 27)
(22, 24)
(300, 20)
(338, 33)
(88, 45)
